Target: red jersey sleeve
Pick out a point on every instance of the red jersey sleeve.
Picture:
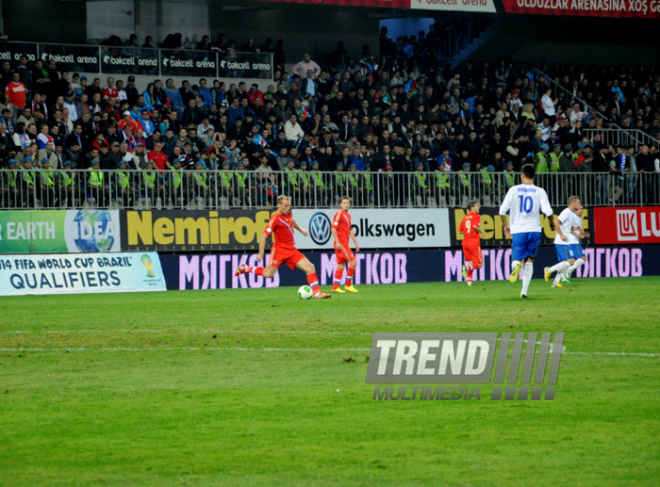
(271, 225)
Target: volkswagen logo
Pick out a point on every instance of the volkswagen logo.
(319, 228)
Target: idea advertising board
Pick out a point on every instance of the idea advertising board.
(47, 231)
(217, 271)
(80, 273)
(630, 225)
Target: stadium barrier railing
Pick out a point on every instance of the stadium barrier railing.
(621, 137)
(207, 189)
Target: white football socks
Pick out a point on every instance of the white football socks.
(558, 266)
(528, 270)
(577, 264)
(562, 266)
(514, 263)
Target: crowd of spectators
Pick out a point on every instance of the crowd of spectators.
(401, 112)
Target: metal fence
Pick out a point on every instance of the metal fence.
(622, 137)
(201, 189)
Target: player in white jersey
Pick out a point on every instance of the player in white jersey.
(565, 242)
(578, 250)
(524, 203)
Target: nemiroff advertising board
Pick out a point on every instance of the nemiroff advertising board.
(192, 231)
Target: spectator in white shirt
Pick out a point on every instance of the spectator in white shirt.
(292, 128)
(70, 105)
(549, 106)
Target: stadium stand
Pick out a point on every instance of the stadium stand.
(409, 129)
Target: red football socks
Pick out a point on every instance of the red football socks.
(313, 283)
(338, 274)
(349, 276)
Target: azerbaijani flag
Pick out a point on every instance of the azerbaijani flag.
(410, 88)
(258, 139)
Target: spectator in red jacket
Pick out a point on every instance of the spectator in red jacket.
(254, 93)
(110, 89)
(158, 157)
(16, 92)
(128, 120)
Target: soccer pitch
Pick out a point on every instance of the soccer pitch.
(255, 387)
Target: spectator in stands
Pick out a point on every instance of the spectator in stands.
(491, 114)
(16, 93)
(305, 65)
(110, 90)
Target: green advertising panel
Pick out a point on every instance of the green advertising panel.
(53, 231)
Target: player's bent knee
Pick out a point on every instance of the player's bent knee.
(269, 272)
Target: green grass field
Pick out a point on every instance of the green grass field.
(252, 387)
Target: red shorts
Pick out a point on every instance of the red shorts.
(472, 253)
(345, 255)
(288, 257)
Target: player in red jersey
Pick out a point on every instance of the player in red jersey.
(284, 249)
(471, 232)
(341, 231)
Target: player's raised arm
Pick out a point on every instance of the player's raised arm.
(295, 225)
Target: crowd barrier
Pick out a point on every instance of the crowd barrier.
(210, 189)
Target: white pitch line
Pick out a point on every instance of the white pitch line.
(181, 349)
(634, 354)
(266, 332)
(257, 349)
(146, 330)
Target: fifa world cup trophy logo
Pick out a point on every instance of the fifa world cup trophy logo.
(146, 262)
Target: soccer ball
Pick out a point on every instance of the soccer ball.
(305, 292)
